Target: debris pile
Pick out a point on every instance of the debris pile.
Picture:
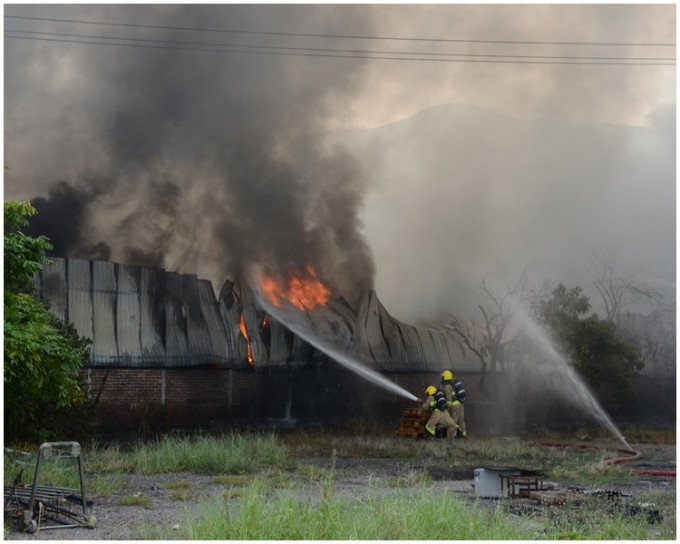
(412, 423)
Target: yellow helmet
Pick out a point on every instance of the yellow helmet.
(431, 390)
(447, 375)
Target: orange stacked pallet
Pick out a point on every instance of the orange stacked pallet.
(412, 423)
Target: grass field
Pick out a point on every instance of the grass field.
(290, 486)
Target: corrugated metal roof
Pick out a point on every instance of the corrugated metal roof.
(104, 293)
(142, 317)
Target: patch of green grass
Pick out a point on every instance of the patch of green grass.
(600, 434)
(233, 493)
(179, 490)
(415, 514)
(230, 453)
(57, 472)
(313, 473)
(182, 495)
(650, 435)
(103, 485)
(135, 500)
(259, 470)
(602, 519)
(239, 480)
(182, 485)
(233, 453)
(272, 479)
(410, 479)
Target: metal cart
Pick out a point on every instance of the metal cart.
(41, 507)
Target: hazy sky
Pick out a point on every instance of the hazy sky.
(146, 145)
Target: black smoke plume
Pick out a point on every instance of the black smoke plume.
(215, 160)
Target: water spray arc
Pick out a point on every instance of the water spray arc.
(577, 388)
(330, 334)
(299, 322)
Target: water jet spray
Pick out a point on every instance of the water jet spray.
(578, 387)
(301, 324)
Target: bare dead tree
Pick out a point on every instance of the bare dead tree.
(654, 332)
(471, 336)
(610, 287)
(488, 341)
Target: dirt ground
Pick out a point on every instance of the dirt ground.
(353, 477)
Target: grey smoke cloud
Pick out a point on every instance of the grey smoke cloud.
(213, 158)
(207, 161)
(471, 195)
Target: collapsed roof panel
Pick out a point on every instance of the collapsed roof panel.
(148, 317)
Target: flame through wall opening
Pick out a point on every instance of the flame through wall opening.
(304, 290)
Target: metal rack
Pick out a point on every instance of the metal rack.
(32, 506)
(520, 485)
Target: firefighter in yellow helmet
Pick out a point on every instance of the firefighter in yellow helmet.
(455, 398)
(436, 403)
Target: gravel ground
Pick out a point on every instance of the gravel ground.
(352, 477)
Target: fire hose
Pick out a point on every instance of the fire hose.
(634, 455)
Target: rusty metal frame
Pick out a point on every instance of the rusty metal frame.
(47, 501)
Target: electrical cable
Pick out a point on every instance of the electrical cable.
(339, 36)
(327, 50)
(349, 56)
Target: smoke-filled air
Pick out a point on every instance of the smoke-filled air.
(412, 149)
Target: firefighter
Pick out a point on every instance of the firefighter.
(436, 403)
(455, 399)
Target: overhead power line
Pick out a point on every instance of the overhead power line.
(371, 54)
(516, 60)
(339, 36)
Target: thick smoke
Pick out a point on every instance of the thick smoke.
(470, 171)
(62, 216)
(213, 159)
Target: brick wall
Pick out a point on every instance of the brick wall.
(325, 393)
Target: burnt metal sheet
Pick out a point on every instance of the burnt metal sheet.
(393, 338)
(371, 341)
(79, 296)
(214, 323)
(280, 343)
(457, 353)
(230, 310)
(333, 329)
(431, 360)
(139, 316)
(285, 347)
(198, 337)
(152, 316)
(128, 314)
(104, 345)
(441, 359)
(341, 307)
(53, 288)
(253, 318)
(412, 346)
(176, 344)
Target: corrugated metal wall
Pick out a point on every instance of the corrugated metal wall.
(146, 317)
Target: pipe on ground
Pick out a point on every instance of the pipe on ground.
(634, 455)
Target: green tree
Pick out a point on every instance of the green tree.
(43, 356)
(607, 362)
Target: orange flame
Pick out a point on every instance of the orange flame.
(304, 290)
(242, 326)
